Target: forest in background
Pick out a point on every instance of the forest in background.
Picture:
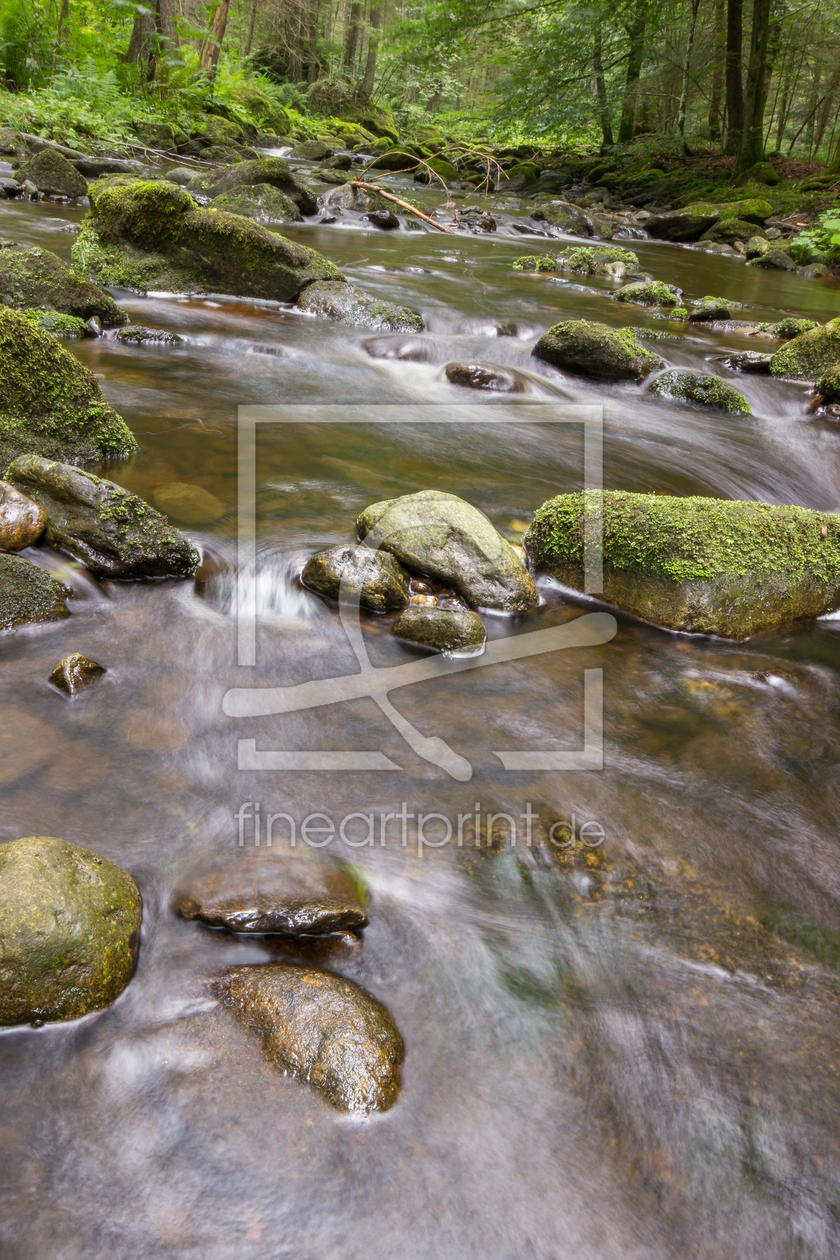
(751, 80)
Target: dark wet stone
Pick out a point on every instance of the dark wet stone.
(138, 335)
(442, 629)
(384, 219)
(75, 672)
(323, 1029)
(69, 930)
(376, 578)
(412, 349)
(752, 361)
(484, 376)
(105, 527)
(272, 891)
(445, 537)
(22, 522)
(28, 594)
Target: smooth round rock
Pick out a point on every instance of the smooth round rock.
(75, 672)
(375, 578)
(483, 376)
(323, 1029)
(22, 522)
(191, 505)
(69, 930)
(442, 629)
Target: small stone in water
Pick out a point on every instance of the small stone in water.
(483, 376)
(74, 673)
(384, 219)
(441, 629)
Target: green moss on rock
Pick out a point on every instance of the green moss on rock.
(589, 260)
(65, 327)
(272, 171)
(28, 594)
(700, 390)
(50, 404)
(69, 930)
(705, 566)
(260, 202)
(787, 329)
(345, 304)
(52, 174)
(647, 293)
(533, 262)
(808, 355)
(36, 279)
(595, 350)
(829, 384)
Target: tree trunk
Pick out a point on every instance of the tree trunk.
(373, 48)
(166, 28)
(351, 43)
(715, 104)
(142, 38)
(211, 48)
(755, 99)
(627, 126)
(686, 70)
(249, 42)
(734, 83)
(601, 89)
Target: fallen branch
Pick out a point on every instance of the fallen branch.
(398, 201)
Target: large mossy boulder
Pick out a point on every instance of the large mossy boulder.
(809, 354)
(69, 930)
(566, 217)
(704, 566)
(322, 1029)
(52, 174)
(345, 304)
(447, 538)
(375, 578)
(260, 202)
(28, 595)
(36, 279)
(152, 235)
(49, 404)
(436, 166)
(272, 171)
(690, 223)
(597, 351)
(109, 530)
(700, 389)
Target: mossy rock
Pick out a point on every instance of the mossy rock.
(273, 171)
(748, 210)
(111, 531)
(566, 218)
(152, 235)
(65, 327)
(52, 174)
(700, 390)
(313, 150)
(447, 172)
(36, 279)
(810, 354)
(28, 594)
(345, 304)
(709, 309)
(395, 160)
(535, 262)
(69, 930)
(828, 386)
(261, 202)
(728, 231)
(791, 327)
(647, 293)
(776, 257)
(590, 260)
(597, 351)
(681, 225)
(704, 566)
(50, 404)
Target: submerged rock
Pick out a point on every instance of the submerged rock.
(447, 538)
(22, 522)
(809, 354)
(322, 1029)
(701, 390)
(191, 505)
(345, 304)
(51, 173)
(272, 171)
(69, 930)
(108, 529)
(28, 594)
(270, 891)
(597, 351)
(376, 578)
(261, 202)
(442, 629)
(151, 235)
(75, 672)
(484, 376)
(412, 349)
(36, 279)
(704, 566)
(647, 293)
(50, 404)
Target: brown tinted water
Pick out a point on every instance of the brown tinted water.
(629, 1049)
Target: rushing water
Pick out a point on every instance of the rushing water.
(629, 1050)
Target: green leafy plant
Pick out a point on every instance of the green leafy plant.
(821, 241)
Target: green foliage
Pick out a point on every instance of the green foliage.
(821, 242)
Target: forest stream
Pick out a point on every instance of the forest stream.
(625, 1046)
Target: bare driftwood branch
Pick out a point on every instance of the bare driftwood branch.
(398, 201)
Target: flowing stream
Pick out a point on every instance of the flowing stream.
(627, 1049)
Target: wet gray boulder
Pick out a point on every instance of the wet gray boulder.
(597, 351)
(450, 630)
(28, 594)
(74, 673)
(22, 522)
(36, 279)
(345, 304)
(443, 536)
(484, 376)
(69, 930)
(752, 361)
(375, 578)
(109, 530)
(275, 891)
(322, 1029)
(704, 566)
(701, 390)
(270, 170)
(51, 173)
